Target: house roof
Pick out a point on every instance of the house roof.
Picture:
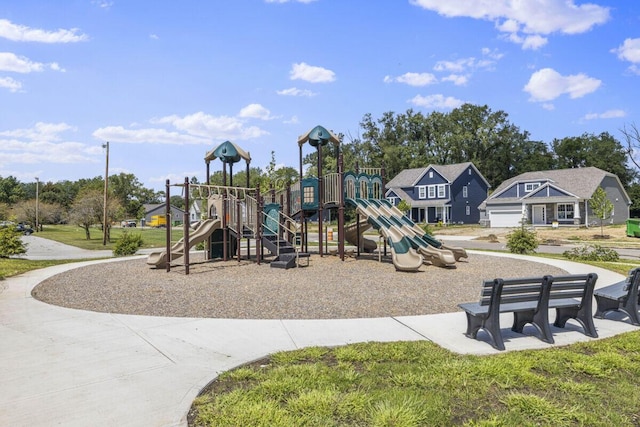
(151, 207)
(409, 177)
(581, 182)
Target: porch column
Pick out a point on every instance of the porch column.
(576, 213)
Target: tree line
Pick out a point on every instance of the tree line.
(395, 141)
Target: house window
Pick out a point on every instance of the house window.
(422, 192)
(430, 174)
(441, 191)
(393, 201)
(432, 191)
(565, 211)
(468, 210)
(469, 171)
(530, 186)
(465, 192)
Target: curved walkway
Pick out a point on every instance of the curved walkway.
(69, 367)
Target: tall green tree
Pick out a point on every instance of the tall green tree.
(602, 151)
(10, 190)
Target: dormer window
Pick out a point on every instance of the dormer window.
(530, 186)
(430, 174)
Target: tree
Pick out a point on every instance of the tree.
(11, 191)
(602, 151)
(10, 242)
(601, 206)
(88, 209)
(632, 138)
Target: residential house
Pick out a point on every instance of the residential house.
(195, 211)
(554, 197)
(177, 214)
(440, 193)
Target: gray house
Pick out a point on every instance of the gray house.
(177, 214)
(554, 197)
(446, 193)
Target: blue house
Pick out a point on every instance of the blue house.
(449, 194)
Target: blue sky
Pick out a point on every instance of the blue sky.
(165, 81)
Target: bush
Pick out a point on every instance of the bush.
(522, 241)
(10, 242)
(427, 229)
(128, 244)
(591, 253)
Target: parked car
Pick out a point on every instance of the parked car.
(128, 223)
(24, 229)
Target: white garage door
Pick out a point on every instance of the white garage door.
(505, 218)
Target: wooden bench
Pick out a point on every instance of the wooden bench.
(621, 296)
(529, 299)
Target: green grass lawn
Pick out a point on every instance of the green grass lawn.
(75, 236)
(420, 384)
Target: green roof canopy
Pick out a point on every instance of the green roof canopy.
(228, 152)
(318, 136)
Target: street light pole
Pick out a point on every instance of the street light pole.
(37, 203)
(106, 185)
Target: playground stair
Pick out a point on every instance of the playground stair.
(285, 252)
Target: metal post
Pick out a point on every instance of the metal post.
(37, 203)
(320, 199)
(105, 227)
(341, 207)
(185, 227)
(167, 217)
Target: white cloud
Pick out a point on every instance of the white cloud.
(21, 33)
(11, 84)
(456, 79)
(293, 91)
(103, 4)
(197, 128)
(534, 18)
(610, 114)
(18, 64)
(437, 101)
(255, 111)
(42, 144)
(629, 50)
(547, 85)
(311, 74)
(413, 79)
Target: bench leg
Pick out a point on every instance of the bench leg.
(604, 305)
(582, 315)
(631, 308)
(539, 320)
(490, 325)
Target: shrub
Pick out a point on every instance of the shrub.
(427, 229)
(522, 241)
(593, 252)
(10, 242)
(128, 244)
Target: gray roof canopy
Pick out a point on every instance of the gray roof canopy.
(579, 181)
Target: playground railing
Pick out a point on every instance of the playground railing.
(332, 188)
(283, 224)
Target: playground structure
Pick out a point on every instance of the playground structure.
(279, 221)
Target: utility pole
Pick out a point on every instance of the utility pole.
(106, 186)
(37, 203)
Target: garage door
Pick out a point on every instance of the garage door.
(505, 218)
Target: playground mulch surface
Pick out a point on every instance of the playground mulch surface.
(327, 289)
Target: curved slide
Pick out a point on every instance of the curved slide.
(204, 230)
(351, 236)
(404, 257)
(436, 256)
(391, 210)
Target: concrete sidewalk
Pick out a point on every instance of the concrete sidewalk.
(68, 367)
